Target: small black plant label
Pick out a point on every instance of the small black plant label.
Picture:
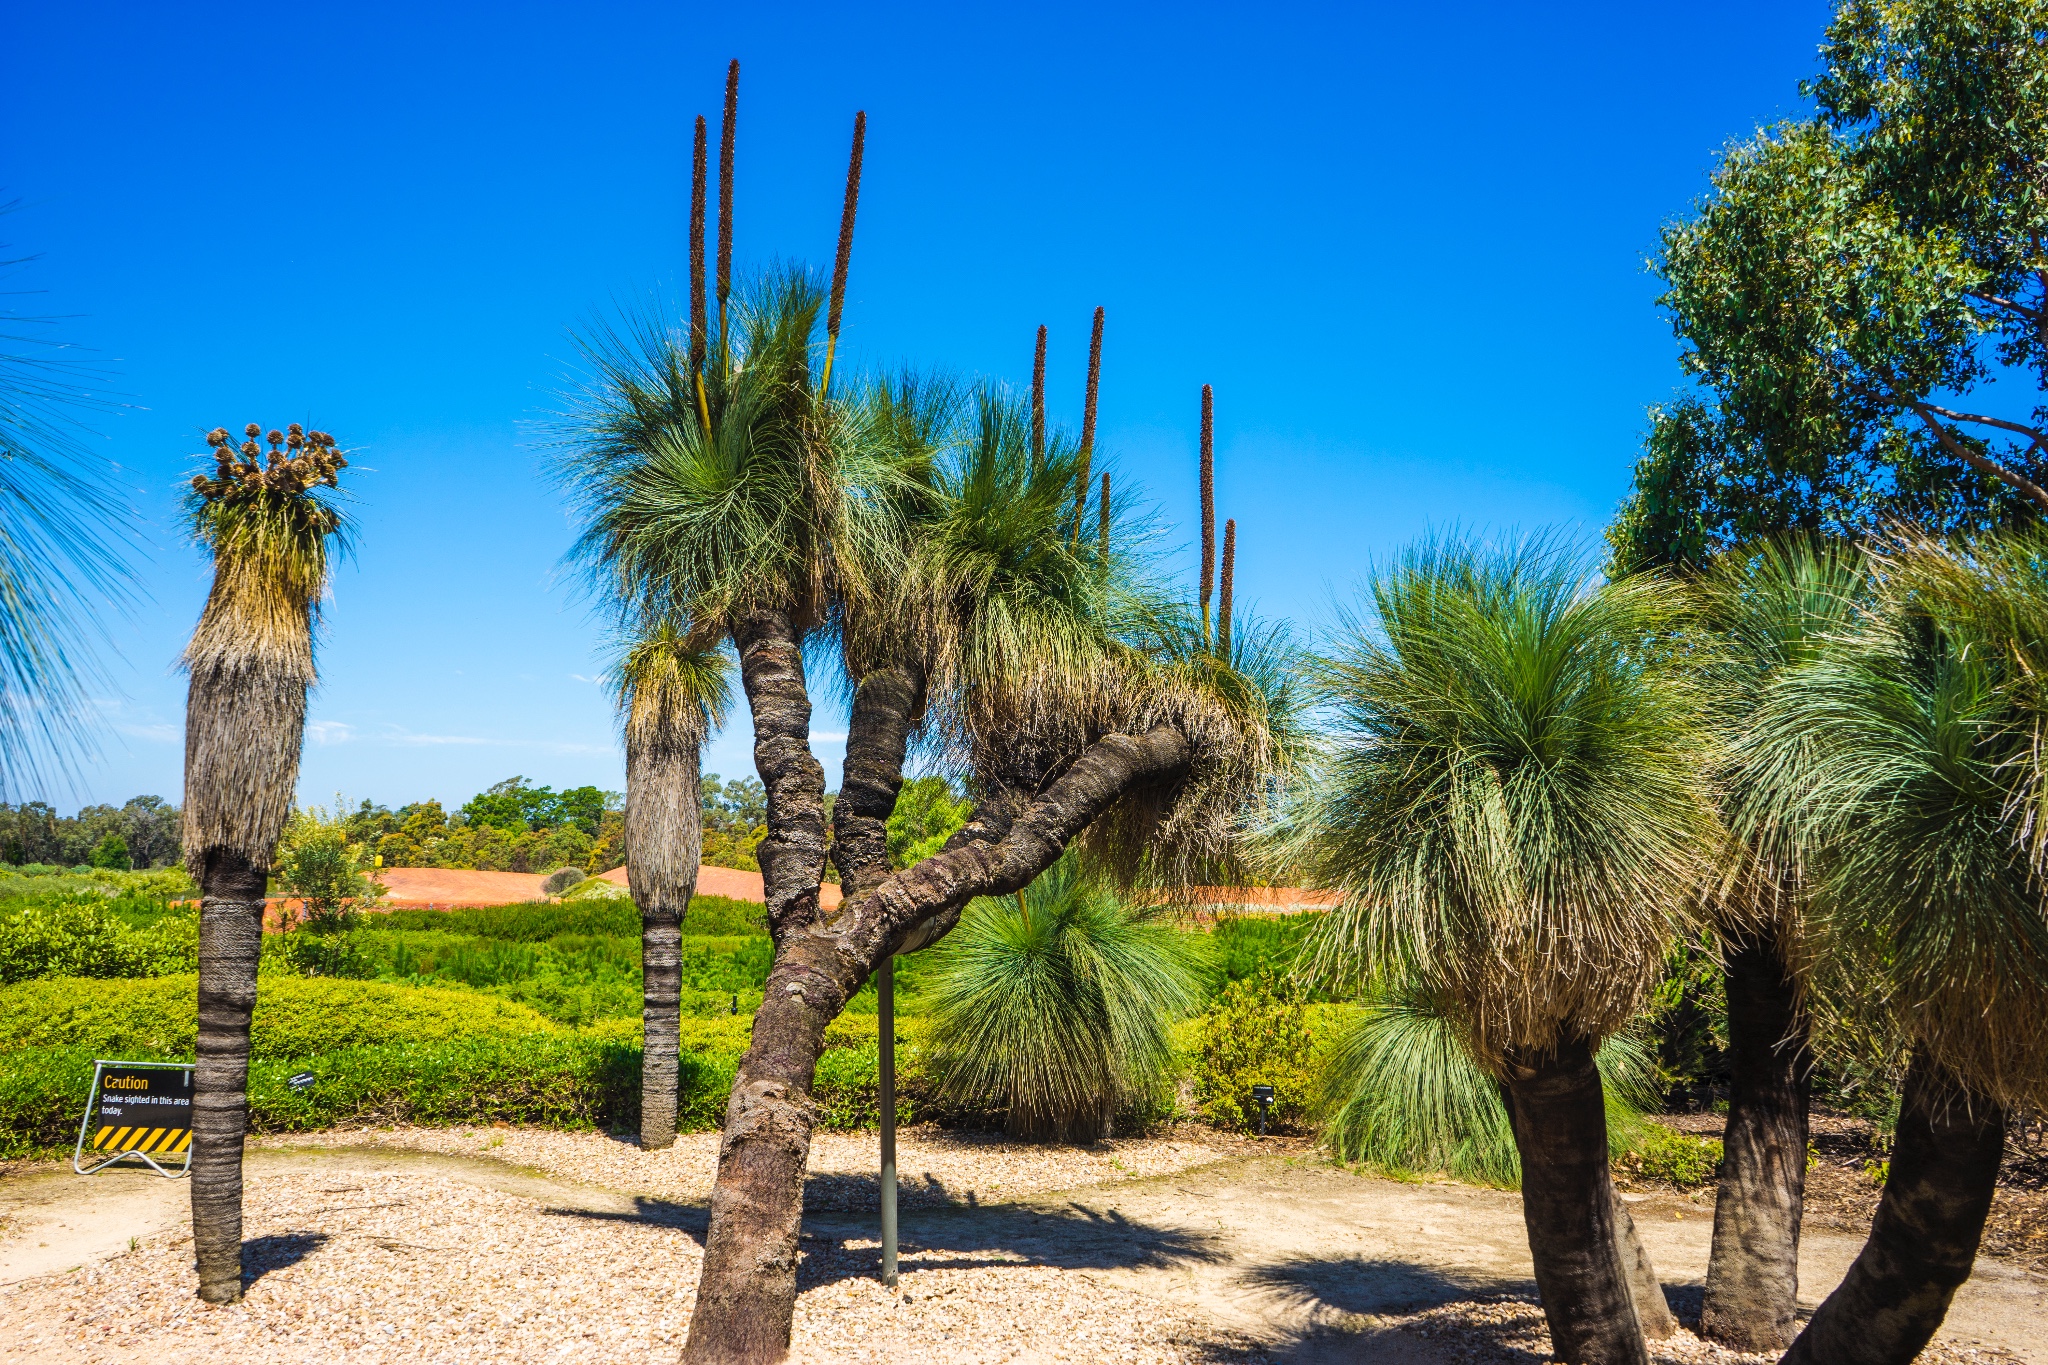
(303, 1080)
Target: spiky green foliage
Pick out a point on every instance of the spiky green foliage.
(62, 534)
(673, 683)
(1036, 644)
(1767, 608)
(761, 509)
(1402, 1092)
(1513, 801)
(1904, 767)
(1059, 1010)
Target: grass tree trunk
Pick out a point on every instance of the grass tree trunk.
(664, 843)
(747, 1294)
(230, 942)
(1559, 1115)
(244, 723)
(1753, 1274)
(1944, 1169)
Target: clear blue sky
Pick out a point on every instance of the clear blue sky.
(1404, 242)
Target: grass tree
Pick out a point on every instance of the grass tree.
(1400, 1091)
(1903, 767)
(267, 520)
(969, 611)
(1771, 607)
(673, 691)
(1057, 1006)
(1513, 806)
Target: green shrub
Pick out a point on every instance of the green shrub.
(66, 937)
(561, 1080)
(1654, 1152)
(295, 1017)
(1242, 946)
(305, 952)
(1059, 1009)
(1259, 1034)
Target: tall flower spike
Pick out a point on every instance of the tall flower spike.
(1208, 504)
(1102, 525)
(1088, 423)
(1038, 402)
(732, 114)
(698, 323)
(1223, 591)
(860, 134)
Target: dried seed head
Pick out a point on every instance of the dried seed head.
(252, 431)
(251, 449)
(217, 438)
(275, 437)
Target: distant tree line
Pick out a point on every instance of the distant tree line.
(142, 833)
(512, 826)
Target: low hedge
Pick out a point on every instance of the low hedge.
(295, 1016)
(385, 1054)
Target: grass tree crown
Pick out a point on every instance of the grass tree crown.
(1513, 796)
(1902, 765)
(268, 519)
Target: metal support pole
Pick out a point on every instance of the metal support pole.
(885, 996)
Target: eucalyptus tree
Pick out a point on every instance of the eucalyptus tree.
(1850, 290)
(1769, 608)
(673, 692)
(1513, 804)
(1902, 766)
(267, 520)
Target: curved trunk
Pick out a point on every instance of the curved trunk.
(1559, 1116)
(664, 841)
(1752, 1297)
(230, 942)
(1944, 1169)
(747, 1296)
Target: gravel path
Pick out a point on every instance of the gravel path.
(517, 1245)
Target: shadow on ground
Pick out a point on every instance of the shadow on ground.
(1065, 1237)
(261, 1255)
(1366, 1284)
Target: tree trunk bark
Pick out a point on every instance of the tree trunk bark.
(664, 842)
(1752, 1298)
(886, 704)
(792, 857)
(747, 1295)
(1645, 1290)
(1923, 1242)
(1560, 1123)
(230, 942)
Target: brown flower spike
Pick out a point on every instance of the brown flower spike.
(298, 460)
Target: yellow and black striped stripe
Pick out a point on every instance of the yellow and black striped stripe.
(156, 1141)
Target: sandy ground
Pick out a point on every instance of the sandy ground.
(501, 1244)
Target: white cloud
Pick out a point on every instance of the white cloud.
(330, 732)
(161, 734)
(825, 737)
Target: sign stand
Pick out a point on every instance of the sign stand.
(144, 1109)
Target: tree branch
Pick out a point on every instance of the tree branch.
(886, 704)
(1949, 442)
(1022, 846)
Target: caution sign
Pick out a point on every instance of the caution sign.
(141, 1109)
